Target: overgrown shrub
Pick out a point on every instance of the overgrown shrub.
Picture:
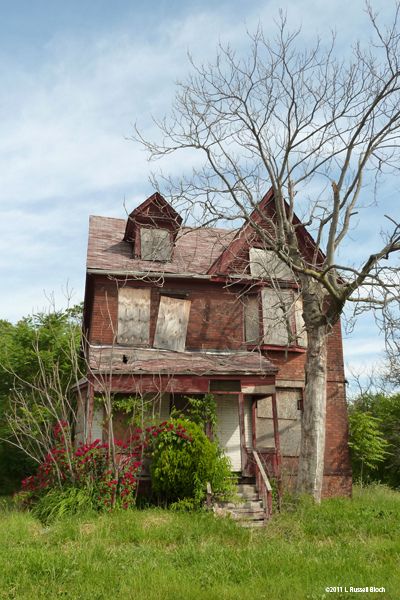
(184, 459)
(69, 479)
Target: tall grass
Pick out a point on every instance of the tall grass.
(160, 555)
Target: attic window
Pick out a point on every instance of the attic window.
(155, 244)
(265, 264)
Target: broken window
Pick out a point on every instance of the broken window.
(155, 244)
(133, 316)
(172, 322)
(265, 264)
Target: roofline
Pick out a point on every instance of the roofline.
(192, 372)
(152, 274)
(147, 274)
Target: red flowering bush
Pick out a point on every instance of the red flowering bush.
(88, 467)
(72, 478)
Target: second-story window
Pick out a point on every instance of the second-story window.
(155, 244)
(133, 316)
(172, 323)
(274, 318)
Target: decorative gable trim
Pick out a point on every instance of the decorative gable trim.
(153, 212)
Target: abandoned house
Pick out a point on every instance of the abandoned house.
(172, 311)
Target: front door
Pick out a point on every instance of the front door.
(228, 430)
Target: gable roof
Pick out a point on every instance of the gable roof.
(194, 252)
(246, 235)
(154, 211)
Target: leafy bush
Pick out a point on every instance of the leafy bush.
(184, 460)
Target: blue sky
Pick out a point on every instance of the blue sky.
(75, 77)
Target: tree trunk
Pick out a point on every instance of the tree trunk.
(312, 449)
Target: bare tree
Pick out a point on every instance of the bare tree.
(323, 133)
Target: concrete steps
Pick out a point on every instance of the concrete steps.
(247, 510)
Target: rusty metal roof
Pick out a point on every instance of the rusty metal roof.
(194, 252)
(141, 361)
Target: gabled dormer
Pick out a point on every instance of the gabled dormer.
(151, 229)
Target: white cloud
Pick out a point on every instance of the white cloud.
(63, 152)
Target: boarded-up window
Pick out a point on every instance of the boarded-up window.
(172, 322)
(277, 309)
(156, 244)
(251, 319)
(133, 316)
(265, 264)
(289, 421)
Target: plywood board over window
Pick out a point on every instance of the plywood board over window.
(251, 319)
(172, 322)
(277, 316)
(155, 244)
(133, 316)
(266, 264)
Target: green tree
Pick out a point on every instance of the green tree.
(367, 443)
(386, 408)
(32, 348)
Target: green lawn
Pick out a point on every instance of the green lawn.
(157, 554)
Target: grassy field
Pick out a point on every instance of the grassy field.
(156, 554)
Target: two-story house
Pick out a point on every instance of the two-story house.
(172, 311)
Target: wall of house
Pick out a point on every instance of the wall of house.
(215, 319)
(216, 323)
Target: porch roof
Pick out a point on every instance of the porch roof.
(138, 361)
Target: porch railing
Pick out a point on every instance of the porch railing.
(263, 485)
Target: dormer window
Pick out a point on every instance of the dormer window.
(155, 244)
(152, 228)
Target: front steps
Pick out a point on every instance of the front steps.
(247, 510)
